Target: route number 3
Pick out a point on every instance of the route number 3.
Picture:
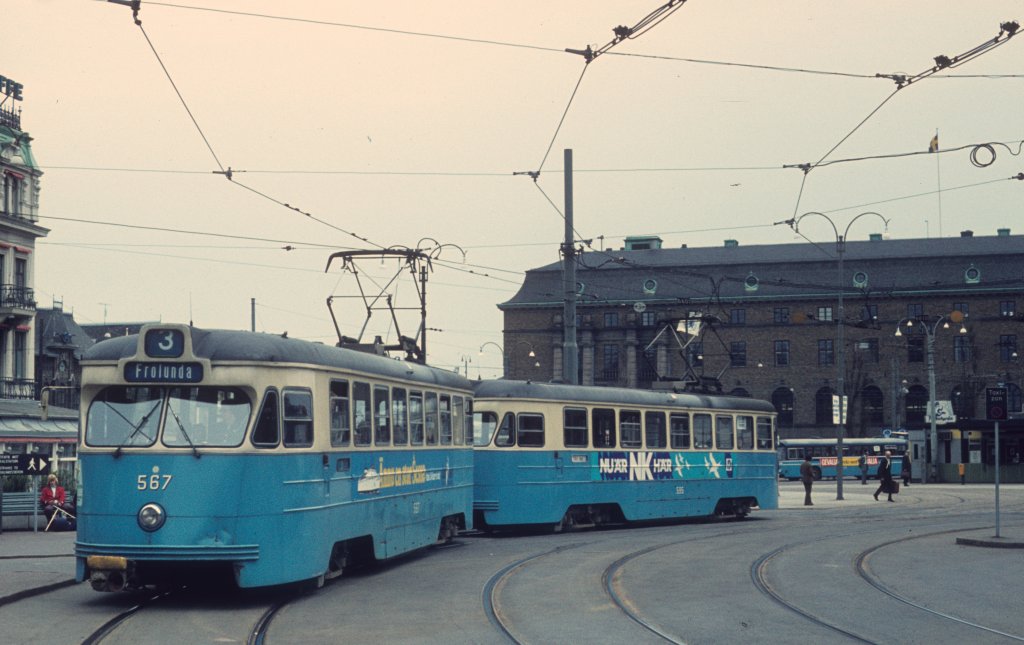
(153, 482)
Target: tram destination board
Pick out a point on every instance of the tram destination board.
(162, 372)
(24, 464)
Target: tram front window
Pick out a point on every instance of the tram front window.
(124, 417)
(206, 416)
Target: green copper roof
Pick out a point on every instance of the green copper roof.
(9, 136)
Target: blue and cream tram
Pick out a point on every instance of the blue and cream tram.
(270, 459)
(566, 455)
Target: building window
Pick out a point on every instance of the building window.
(12, 194)
(738, 353)
(915, 349)
(869, 313)
(916, 403)
(737, 316)
(961, 307)
(648, 319)
(872, 405)
(1007, 308)
(781, 353)
(824, 314)
(1007, 348)
(20, 342)
(961, 349)
(780, 315)
(823, 407)
(826, 352)
(695, 354)
(611, 319)
(647, 369)
(868, 349)
(20, 272)
(915, 311)
(782, 399)
(610, 367)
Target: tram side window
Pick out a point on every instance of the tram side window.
(629, 426)
(702, 431)
(445, 408)
(399, 417)
(298, 419)
(431, 418)
(416, 418)
(381, 415)
(764, 433)
(361, 413)
(531, 430)
(341, 428)
(458, 421)
(603, 427)
(745, 433)
(206, 416)
(124, 416)
(654, 429)
(724, 438)
(266, 432)
(485, 423)
(679, 431)
(574, 427)
(506, 431)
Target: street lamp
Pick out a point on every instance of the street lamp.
(504, 359)
(840, 321)
(929, 330)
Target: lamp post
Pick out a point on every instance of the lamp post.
(504, 359)
(929, 330)
(840, 320)
(532, 354)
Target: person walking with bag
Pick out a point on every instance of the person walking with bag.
(885, 474)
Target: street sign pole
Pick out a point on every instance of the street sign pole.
(995, 409)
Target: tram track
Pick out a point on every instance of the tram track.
(863, 571)
(108, 627)
(492, 589)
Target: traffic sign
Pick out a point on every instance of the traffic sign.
(995, 403)
(33, 464)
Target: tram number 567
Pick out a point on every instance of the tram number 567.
(153, 482)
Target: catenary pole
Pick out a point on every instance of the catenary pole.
(570, 351)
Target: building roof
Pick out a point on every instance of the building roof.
(103, 331)
(58, 332)
(21, 421)
(879, 268)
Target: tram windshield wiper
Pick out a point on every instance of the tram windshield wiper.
(136, 428)
(181, 426)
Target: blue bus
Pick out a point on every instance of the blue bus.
(824, 458)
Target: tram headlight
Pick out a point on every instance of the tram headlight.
(151, 517)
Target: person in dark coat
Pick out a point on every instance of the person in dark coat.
(885, 474)
(807, 477)
(906, 469)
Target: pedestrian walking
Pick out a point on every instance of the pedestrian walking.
(885, 475)
(862, 461)
(807, 477)
(906, 469)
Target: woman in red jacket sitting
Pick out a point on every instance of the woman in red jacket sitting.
(53, 498)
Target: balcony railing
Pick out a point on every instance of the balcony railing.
(17, 388)
(14, 297)
(10, 118)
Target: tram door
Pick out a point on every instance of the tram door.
(916, 446)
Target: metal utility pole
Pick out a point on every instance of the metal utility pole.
(252, 314)
(570, 351)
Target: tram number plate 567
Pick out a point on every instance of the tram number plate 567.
(153, 482)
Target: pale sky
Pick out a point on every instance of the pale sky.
(339, 110)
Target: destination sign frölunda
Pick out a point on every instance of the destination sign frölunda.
(153, 372)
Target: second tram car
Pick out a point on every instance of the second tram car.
(572, 456)
(270, 459)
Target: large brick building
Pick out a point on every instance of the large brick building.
(768, 329)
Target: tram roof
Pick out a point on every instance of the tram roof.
(501, 388)
(849, 441)
(230, 345)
